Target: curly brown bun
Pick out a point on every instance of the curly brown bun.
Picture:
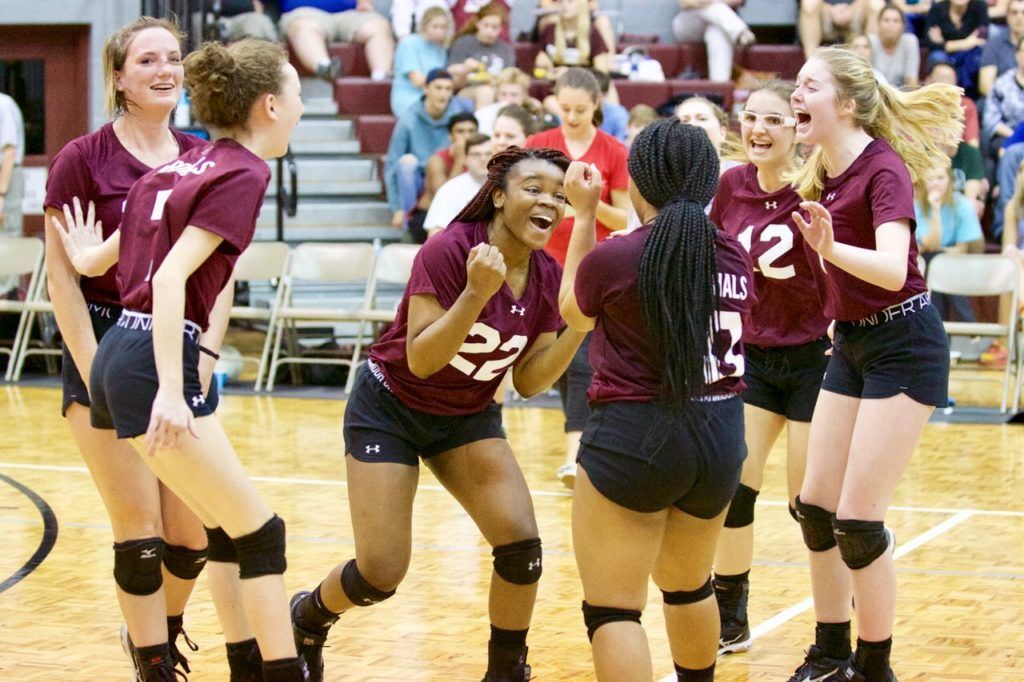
(225, 82)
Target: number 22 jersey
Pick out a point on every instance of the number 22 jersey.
(504, 330)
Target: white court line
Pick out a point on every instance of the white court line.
(537, 493)
(792, 612)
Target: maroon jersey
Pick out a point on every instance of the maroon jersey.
(788, 310)
(606, 288)
(875, 189)
(97, 168)
(506, 328)
(219, 188)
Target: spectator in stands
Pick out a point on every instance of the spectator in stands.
(946, 221)
(406, 14)
(1004, 106)
(513, 125)
(827, 22)
(969, 178)
(421, 130)
(1013, 236)
(478, 54)
(717, 24)
(12, 182)
(417, 55)
(547, 11)
(240, 19)
(1000, 52)
(703, 113)
(894, 52)
(309, 25)
(448, 161)
(957, 30)
(915, 12)
(944, 72)
(640, 116)
(615, 116)
(860, 45)
(452, 196)
(511, 86)
(997, 10)
(572, 40)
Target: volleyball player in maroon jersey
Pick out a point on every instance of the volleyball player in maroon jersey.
(143, 73)
(784, 338)
(661, 454)
(482, 300)
(185, 224)
(890, 363)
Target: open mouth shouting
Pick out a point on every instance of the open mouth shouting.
(542, 221)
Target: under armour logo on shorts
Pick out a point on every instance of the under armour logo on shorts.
(518, 310)
(771, 205)
(197, 400)
(373, 449)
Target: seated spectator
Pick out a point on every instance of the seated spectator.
(240, 19)
(830, 22)
(421, 130)
(478, 54)
(615, 116)
(640, 116)
(969, 175)
(310, 24)
(1004, 106)
(511, 86)
(946, 221)
(452, 196)
(571, 41)
(860, 45)
(703, 113)
(417, 55)
(448, 161)
(547, 15)
(1000, 52)
(997, 10)
(895, 53)
(957, 30)
(1013, 233)
(512, 126)
(943, 72)
(716, 23)
(407, 15)
(915, 13)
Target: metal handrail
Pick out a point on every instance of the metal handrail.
(287, 198)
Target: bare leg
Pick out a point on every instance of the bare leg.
(182, 528)
(308, 42)
(810, 25)
(379, 44)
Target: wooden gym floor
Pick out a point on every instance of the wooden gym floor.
(958, 518)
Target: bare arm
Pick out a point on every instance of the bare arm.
(547, 360)
(7, 167)
(68, 303)
(616, 214)
(580, 183)
(1010, 224)
(986, 77)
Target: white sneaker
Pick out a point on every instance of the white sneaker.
(129, 651)
(567, 475)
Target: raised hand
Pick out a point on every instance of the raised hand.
(582, 187)
(818, 232)
(79, 233)
(485, 270)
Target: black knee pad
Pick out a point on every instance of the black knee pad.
(860, 542)
(684, 597)
(137, 565)
(519, 562)
(358, 590)
(792, 512)
(220, 546)
(262, 552)
(596, 616)
(741, 509)
(816, 524)
(183, 562)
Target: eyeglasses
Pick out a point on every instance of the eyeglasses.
(771, 121)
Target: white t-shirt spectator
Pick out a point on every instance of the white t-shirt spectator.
(450, 198)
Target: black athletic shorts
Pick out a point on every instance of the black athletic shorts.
(902, 349)
(785, 379)
(695, 466)
(381, 428)
(103, 318)
(572, 388)
(123, 382)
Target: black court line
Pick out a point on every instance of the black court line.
(46, 543)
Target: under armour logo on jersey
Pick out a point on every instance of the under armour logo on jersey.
(197, 400)
(373, 449)
(771, 205)
(533, 564)
(831, 196)
(148, 553)
(518, 310)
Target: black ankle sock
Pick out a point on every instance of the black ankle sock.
(691, 675)
(872, 658)
(833, 639)
(153, 656)
(175, 624)
(244, 660)
(313, 615)
(737, 579)
(284, 670)
(506, 650)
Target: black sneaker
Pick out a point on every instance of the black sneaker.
(129, 651)
(521, 673)
(849, 673)
(817, 667)
(501, 658)
(329, 71)
(309, 646)
(732, 609)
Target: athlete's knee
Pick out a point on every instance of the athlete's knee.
(262, 551)
(184, 562)
(137, 565)
(598, 616)
(684, 597)
(860, 542)
(220, 546)
(741, 509)
(361, 591)
(520, 562)
(816, 525)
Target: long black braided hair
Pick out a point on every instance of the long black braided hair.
(481, 206)
(675, 168)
